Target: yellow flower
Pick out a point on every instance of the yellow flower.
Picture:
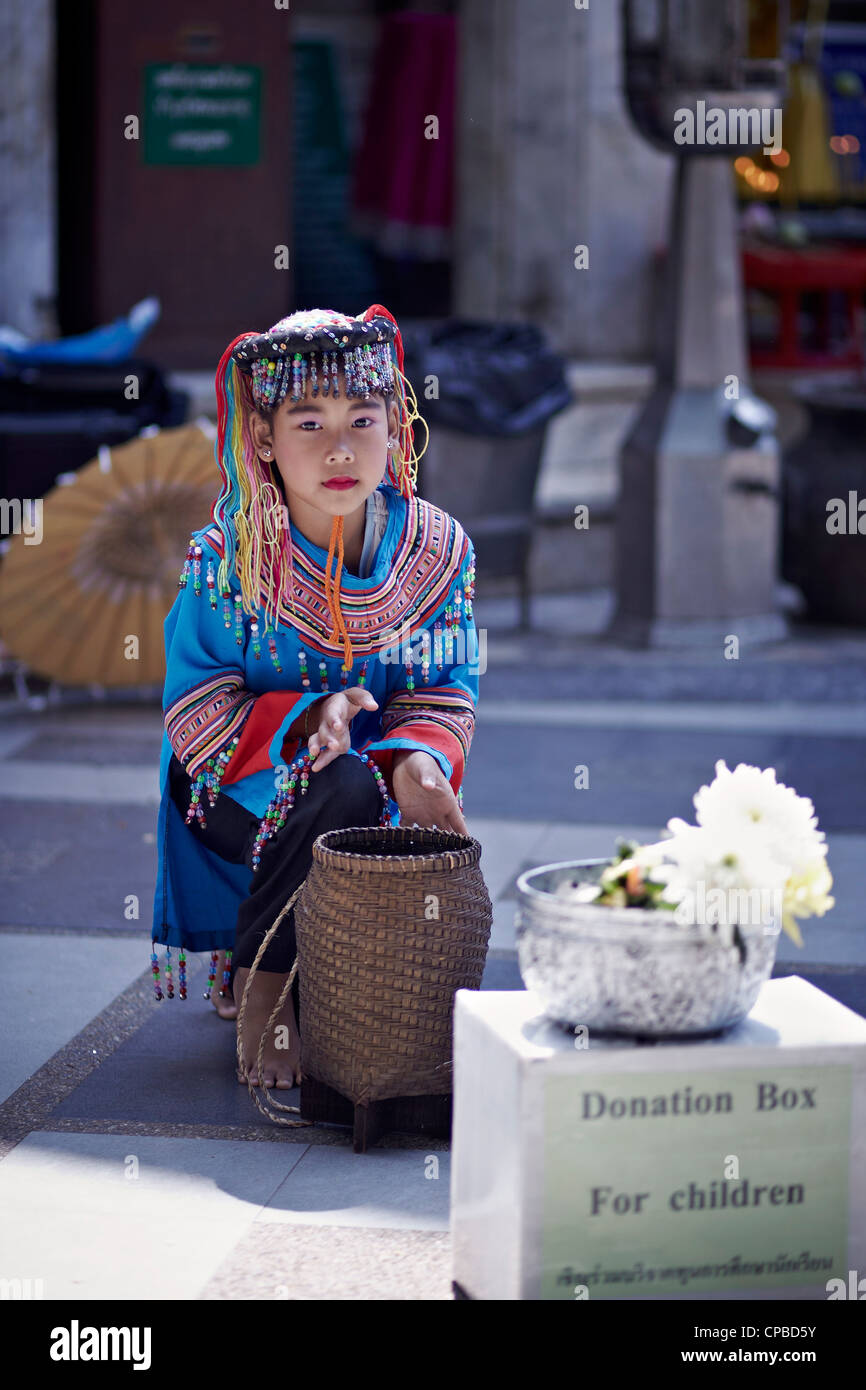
(806, 895)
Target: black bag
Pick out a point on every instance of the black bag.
(55, 415)
(493, 378)
(48, 388)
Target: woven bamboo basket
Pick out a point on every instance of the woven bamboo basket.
(391, 921)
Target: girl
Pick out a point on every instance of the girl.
(321, 656)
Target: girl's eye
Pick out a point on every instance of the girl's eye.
(315, 424)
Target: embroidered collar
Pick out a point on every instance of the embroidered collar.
(417, 562)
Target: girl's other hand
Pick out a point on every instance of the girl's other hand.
(335, 714)
(423, 792)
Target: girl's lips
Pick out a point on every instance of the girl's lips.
(341, 482)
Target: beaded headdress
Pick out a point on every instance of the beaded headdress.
(258, 371)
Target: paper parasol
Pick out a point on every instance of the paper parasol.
(86, 605)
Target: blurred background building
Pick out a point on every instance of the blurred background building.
(460, 162)
(534, 152)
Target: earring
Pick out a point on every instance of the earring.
(266, 453)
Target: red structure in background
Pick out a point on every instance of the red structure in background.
(787, 275)
(403, 185)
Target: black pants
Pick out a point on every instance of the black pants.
(343, 794)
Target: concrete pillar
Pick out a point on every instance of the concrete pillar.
(27, 168)
(710, 322)
(548, 160)
(697, 519)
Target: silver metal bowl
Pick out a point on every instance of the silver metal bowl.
(632, 970)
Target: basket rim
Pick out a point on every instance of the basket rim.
(464, 854)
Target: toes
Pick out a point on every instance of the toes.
(271, 1080)
(288, 1083)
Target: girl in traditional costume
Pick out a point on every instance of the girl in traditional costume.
(321, 655)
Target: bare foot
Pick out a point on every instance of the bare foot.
(225, 1006)
(282, 1055)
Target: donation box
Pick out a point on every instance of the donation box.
(599, 1168)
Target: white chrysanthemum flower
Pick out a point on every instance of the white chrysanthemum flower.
(653, 859)
(735, 861)
(650, 856)
(661, 873)
(756, 855)
(749, 801)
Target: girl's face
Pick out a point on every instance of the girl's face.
(318, 440)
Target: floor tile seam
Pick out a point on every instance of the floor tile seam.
(507, 954)
(81, 933)
(384, 1230)
(120, 934)
(125, 934)
(92, 769)
(11, 706)
(797, 718)
(332, 1226)
(665, 717)
(79, 761)
(318, 1134)
(285, 1178)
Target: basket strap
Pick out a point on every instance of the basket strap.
(256, 1092)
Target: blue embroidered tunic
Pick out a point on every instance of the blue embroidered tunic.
(415, 648)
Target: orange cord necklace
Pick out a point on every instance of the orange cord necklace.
(332, 592)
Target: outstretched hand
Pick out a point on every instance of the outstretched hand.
(332, 736)
(423, 792)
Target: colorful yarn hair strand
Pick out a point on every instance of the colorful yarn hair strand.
(249, 511)
(403, 470)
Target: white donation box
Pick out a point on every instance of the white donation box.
(600, 1168)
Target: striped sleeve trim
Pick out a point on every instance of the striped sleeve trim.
(206, 718)
(451, 710)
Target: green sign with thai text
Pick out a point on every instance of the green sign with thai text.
(682, 1183)
(201, 113)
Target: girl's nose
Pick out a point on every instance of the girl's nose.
(339, 451)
